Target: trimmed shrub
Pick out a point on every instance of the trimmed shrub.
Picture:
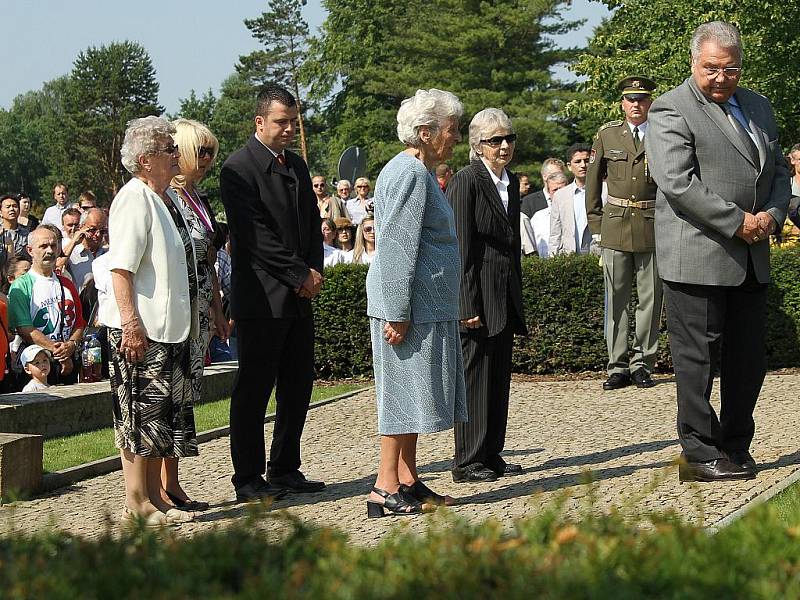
(563, 299)
(545, 556)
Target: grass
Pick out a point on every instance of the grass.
(69, 451)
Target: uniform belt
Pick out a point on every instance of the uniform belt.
(640, 204)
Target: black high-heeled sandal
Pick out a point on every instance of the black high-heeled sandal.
(191, 505)
(399, 503)
(422, 493)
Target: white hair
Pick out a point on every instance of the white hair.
(344, 182)
(556, 177)
(484, 123)
(725, 35)
(427, 108)
(142, 138)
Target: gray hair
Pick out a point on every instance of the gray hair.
(85, 214)
(725, 35)
(427, 108)
(342, 182)
(550, 163)
(142, 138)
(556, 177)
(484, 123)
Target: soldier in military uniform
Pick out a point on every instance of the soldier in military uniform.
(624, 230)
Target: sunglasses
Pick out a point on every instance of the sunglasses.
(205, 151)
(171, 149)
(369, 229)
(95, 231)
(635, 97)
(319, 185)
(362, 186)
(87, 207)
(499, 139)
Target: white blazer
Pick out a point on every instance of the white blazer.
(144, 240)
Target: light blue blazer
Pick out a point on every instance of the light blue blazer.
(416, 272)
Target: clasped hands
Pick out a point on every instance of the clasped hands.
(756, 227)
(311, 286)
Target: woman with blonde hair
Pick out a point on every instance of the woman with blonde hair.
(198, 150)
(364, 249)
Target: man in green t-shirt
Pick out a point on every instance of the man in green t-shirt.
(44, 307)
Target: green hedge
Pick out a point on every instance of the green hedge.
(542, 557)
(563, 299)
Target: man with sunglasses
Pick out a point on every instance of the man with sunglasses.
(624, 229)
(723, 187)
(91, 235)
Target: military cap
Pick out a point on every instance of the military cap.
(636, 85)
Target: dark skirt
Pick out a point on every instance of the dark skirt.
(153, 413)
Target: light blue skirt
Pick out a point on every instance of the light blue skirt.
(419, 384)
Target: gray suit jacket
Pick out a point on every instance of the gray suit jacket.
(707, 181)
(562, 224)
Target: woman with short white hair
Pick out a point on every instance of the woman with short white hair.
(412, 302)
(486, 202)
(154, 280)
(359, 206)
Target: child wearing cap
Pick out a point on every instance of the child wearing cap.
(36, 361)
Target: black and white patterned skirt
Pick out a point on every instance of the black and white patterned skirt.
(153, 414)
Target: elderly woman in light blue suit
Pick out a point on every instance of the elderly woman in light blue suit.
(412, 302)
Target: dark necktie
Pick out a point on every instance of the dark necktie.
(636, 139)
(743, 135)
(281, 159)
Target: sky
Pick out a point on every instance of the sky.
(57, 30)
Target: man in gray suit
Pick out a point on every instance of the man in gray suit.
(723, 186)
(569, 230)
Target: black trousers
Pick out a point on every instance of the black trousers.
(487, 374)
(273, 353)
(710, 327)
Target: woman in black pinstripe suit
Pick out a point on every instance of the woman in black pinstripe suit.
(486, 204)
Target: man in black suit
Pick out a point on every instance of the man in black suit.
(485, 200)
(540, 199)
(277, 255)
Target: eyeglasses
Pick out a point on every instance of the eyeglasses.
(205, 151)
(358, 187)
(728, 72)
(95, 231)
(636, 97)
(369, 229)
(171, 149)
(319, 185)
(87, 207)
(499, 139)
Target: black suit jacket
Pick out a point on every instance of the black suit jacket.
(488, 238)
(275, 232)
(533, 203)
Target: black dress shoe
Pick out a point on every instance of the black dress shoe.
(295, 482)
(616, 381)
(744, 459)
(258, 489)
(502, 468)
(474, 473)
(720, 469)
(642, 379)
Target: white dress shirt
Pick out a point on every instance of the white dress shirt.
(501, 183)
(579, 210)
(540, 221)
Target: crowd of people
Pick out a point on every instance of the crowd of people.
(679, 197)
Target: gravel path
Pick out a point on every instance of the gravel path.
(563, 433)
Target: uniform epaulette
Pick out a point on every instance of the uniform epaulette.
(611, 124)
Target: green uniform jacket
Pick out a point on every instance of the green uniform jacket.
(615, 159)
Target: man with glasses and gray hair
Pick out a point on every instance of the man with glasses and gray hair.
(723, 186)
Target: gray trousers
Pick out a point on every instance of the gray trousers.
(620, 269)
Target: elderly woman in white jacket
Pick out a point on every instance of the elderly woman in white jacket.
(152, 264)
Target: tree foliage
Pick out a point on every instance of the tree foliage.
(283, 32)
(110, 85)
(651, 38)
(373, 54)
